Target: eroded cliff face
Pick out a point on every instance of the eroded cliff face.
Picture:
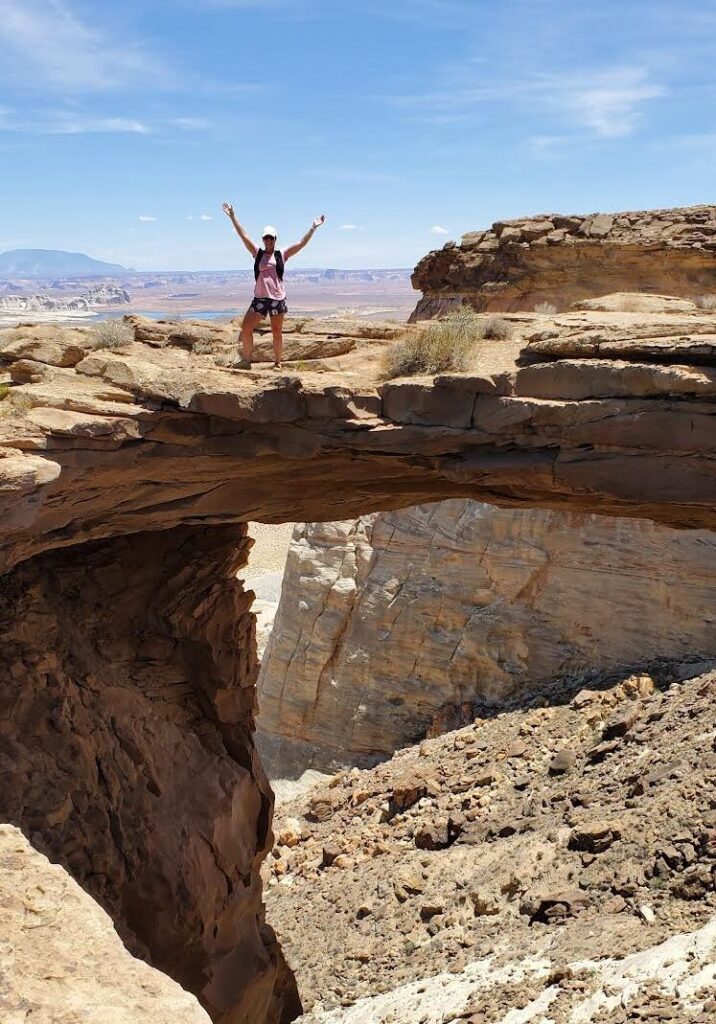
(397, 623)
(126, 709)
(517, 264)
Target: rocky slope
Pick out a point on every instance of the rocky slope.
(558, 259)
(61, 960)
(395, 623)
(128, 653)
(554, 860)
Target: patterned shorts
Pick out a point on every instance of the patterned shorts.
(269, 307)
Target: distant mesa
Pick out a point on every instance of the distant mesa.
(46, 263)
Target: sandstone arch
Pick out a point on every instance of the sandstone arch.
(128, 656)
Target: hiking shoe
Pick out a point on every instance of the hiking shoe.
(242, 364)
(277, 366)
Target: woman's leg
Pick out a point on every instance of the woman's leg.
(277, 335)
(251, 322)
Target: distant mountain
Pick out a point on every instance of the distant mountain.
(43, 263)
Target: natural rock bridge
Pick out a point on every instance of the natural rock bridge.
(128, 668)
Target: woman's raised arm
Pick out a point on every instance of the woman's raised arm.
(293, 249)
(229, 211)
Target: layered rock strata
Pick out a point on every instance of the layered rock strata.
(128, 655)
(61, 959)
(400, 622)
(558, 259)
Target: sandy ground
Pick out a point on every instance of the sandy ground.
(268, 555)
(264, 574)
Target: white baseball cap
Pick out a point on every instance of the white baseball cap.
(269, 230)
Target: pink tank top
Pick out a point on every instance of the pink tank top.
(268, 285)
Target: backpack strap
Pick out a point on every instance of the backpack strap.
(279, 263)
(257, 263)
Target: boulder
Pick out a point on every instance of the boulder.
(61, 958)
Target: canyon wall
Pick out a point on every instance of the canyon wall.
(126, 709)
(558, 259)
(400, 622)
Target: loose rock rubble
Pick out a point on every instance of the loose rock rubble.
(579, 827)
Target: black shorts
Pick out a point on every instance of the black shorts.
(269, 307)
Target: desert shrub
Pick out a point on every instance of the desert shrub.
(628, 304)
(436, 347)
(203, 342)
(496, 328)
(546, 308)
(110, 334)
(13, 403)
(706, 301)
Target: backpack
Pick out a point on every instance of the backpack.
(279, 263)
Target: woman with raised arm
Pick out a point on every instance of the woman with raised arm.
(269, 292)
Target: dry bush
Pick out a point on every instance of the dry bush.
(110, 334)
(705, 301)
(437, 347)
(203, 341)
(13, 403)
(496, 328)
(628, 304)
(546, 308)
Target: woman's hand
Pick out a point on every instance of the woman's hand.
(228, 210)
(319, 220)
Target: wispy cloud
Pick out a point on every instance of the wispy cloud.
(606, 102)
(438, 229)
(45, 42)
(352, 177)
(190, 124)
(348, 227)
(205, 216)
(147, 220)
(64, 122)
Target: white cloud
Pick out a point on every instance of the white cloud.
(348, 227)
(190, 217)
(438, 229)
(606, 102)
(190, 123)
(351, 176)
(205, 216)
(72, 124)
(65, 123)
(43, 41)
(147, 220)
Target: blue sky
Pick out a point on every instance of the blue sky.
(123, 127)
